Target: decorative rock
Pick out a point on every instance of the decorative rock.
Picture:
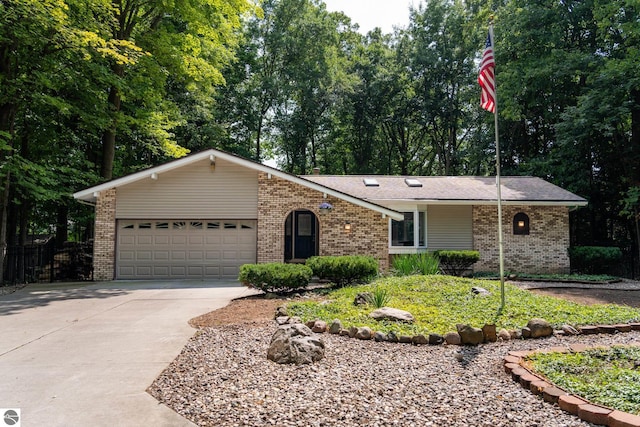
(295, 344)
(526, 332)
(405, 339)
(589, 330)
(623, 419)
(436, 339)
(379, 337)
(504, 335)
(570, 330)
(393, 314)
(623, 327)
(537, 387)
(551, 394)
(419, 340)
(594, 414)
(363, 298)
(539, 328)
(364, 333)
(345, 333)
(319, 327)
(281, 320)
(392, 337)
(515, 334)
(452, 338)
(635, 326)
(570, 403)
(353, 331)
(607, 329)
(481, 292)
(489, 332)
(281, 312)
(293, 320)
(336, 327)
(470, 335)
(309, 324)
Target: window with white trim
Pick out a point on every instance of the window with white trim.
(410, 233)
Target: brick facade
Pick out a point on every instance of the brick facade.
(104, 247)
(543, 250)
(277, 198)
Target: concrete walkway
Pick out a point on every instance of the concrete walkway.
(83, 355)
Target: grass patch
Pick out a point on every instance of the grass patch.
(440, 302)
(607, 376)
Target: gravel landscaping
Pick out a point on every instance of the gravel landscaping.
(223, 378)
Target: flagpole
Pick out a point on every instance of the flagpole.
(498, 185)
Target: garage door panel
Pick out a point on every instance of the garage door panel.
(161, 255)
(127, 240)
(178, 240)
(144, 240)
(161, 240)
(184, 248)
(196, 240)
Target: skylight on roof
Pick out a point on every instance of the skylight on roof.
(371, 182)
(412, 182)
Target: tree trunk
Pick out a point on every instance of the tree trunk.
(109, 135)
(62, 229)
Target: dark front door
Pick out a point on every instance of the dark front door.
(304, 245)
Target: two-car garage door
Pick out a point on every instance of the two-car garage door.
(184, 249)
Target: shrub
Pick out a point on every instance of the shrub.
(275, 277)
(424, 263)
(344, 270)
(455, 263)
(594, 259)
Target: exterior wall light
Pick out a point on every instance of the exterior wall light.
(325, 207)
(347, 227)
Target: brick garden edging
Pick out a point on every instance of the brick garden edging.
(576, 405)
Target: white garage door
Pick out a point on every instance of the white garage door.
(184, 249)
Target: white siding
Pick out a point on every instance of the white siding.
(228, 192)
(449, 227)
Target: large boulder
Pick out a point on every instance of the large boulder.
(539, 328)
(470, 335)
(393, 314)
(295, 344)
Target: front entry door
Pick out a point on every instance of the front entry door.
(304, 245)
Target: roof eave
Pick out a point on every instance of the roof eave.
(486, 202)
(89, 194)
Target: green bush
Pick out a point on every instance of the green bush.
(424, 263)
(275, 277)
(344, 270)
(594, 259)
(455, 263)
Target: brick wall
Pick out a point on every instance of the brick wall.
(277, 198)
(104, 247)
(543, 250)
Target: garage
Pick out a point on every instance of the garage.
(184, 249)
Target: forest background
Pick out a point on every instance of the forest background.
(96, 89)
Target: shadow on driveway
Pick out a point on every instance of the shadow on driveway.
(42, 294)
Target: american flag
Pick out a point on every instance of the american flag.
(487, 78)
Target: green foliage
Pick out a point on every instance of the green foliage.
(594, 259)
(275, 277)
(380, 296)
(423, 263)
(344, 270)
(605, 376)
(456, 263)
(438, 303)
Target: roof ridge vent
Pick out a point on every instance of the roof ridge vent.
(412, 182)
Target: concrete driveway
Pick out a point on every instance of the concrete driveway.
(83, 355)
